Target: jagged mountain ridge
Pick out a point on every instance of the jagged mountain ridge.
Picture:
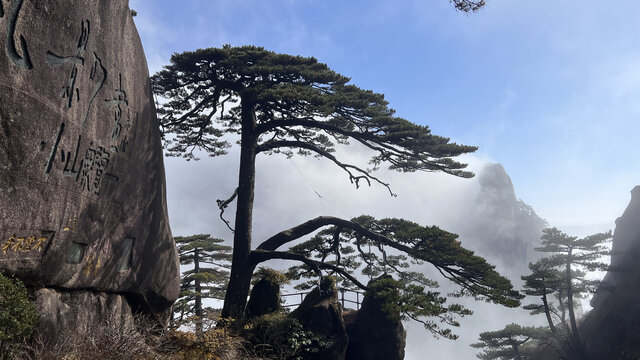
(499, 226)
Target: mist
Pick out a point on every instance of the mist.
(484, 211)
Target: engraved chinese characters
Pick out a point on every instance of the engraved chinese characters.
(25, 244)
(98, 73)
(90, 169)
(24, 61)
(82, 190)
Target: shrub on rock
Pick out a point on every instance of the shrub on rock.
(17, 315)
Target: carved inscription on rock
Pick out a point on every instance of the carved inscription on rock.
(76, 151)
(97, 75)
(81, 179)
(22, 61)
(24, 243)
(118, 104)
(86, 163)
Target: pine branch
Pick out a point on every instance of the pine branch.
(222, 205)
(258, 256)
(348, 168)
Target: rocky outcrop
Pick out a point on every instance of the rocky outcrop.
(82, 192)
(373, 333)
(500, 227)
(624, 252)
(321, 314)
(264, 298)
(612, 329)
(367, 334)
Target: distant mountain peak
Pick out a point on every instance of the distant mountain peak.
(494, 178)
(500, 227)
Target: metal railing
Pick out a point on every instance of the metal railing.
(342, 297)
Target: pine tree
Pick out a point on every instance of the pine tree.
(543, 281)
(283, 104)
(511, 343)
(573, 256)
(207, 279)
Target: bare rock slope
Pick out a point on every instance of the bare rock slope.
(612, 329)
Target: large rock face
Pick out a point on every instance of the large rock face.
(624, 251)
(82, 189)
(612, 329)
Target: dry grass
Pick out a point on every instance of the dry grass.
(117, 341)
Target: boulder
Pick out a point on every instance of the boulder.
(264, 298)
(373, 333)
(82, 189)
(76, 314)
(321, 314)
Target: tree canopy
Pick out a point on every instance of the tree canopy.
(392, 246)
(277, 103)
(514, 342)
(298, 104)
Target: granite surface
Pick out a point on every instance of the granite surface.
(82, 187)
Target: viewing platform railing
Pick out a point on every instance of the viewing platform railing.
(359, 295)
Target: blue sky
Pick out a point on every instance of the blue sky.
(549, 89)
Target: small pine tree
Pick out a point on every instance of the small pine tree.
(207, 279)
(543, 281)
(511, 343)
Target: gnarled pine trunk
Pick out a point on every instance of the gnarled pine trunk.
(198, 290)
(547, 310)
(577, 348)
